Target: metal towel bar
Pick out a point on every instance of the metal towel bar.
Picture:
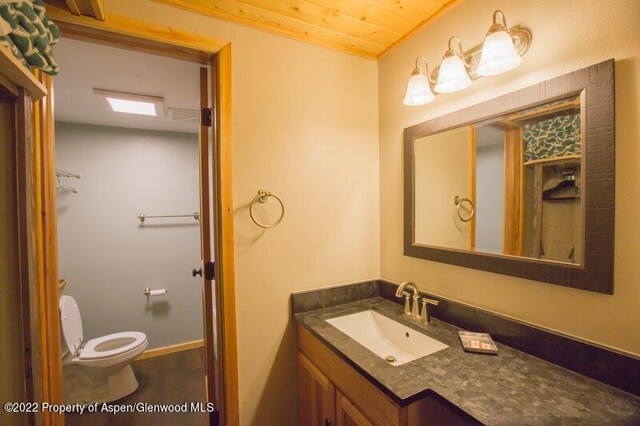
(142, 217)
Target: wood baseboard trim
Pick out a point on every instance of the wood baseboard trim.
(166, 350)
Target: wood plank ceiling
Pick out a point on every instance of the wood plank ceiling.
(367, 28)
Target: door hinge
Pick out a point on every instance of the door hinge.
(206, 117)
(210, 271)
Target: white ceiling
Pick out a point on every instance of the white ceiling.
(87, 66)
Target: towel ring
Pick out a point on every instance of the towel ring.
(458, 201)
(263, 197)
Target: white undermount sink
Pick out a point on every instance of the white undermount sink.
(389, 339)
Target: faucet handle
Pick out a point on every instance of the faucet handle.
(415, 306)
(407, 305)
(424, 315)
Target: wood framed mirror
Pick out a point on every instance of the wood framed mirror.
(521, 185)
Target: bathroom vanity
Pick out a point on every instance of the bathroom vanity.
(333, 392)
(343, 382)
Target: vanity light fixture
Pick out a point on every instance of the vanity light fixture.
(498, 52)
(419, 86)
(132, 104)
(453, 70)
(501, 51)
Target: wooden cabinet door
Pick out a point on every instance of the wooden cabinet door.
(347, 414)
(317, 395)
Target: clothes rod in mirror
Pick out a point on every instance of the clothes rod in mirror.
(142, 217)
(501, 51)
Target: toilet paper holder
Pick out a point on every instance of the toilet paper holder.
(148, 292)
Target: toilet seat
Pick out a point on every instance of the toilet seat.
(70, 324)
(112, 345)
(98, 370)
(101, 352)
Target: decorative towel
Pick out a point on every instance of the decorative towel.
(27, 31)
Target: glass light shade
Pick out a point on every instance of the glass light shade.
(498, 54)
(452, 76)
(418, 91)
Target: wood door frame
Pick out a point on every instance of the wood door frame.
(149, 38)
(473, 167)
(204, 158)
(37, 263)
(513, 191)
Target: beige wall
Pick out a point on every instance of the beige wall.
(442, 173)
(567, 36)
(305, 126)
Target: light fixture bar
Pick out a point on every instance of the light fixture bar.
(521, 40)
(501, 51)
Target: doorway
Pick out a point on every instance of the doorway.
(215, 168)
(128, 215)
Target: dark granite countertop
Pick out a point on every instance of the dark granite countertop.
(509, 388)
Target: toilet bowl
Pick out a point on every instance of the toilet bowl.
(98, 370)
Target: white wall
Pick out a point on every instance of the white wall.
(104, 252)
(567, 35)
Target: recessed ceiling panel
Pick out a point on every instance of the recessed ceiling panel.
(86, 68)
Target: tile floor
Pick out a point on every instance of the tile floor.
(169, 379)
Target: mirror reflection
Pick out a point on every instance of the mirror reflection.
(509, 185)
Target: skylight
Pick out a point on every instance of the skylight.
(130, 103)
(132, 107)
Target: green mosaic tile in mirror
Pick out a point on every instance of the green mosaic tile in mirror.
(553, 137)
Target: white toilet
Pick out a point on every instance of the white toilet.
(98, 370)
